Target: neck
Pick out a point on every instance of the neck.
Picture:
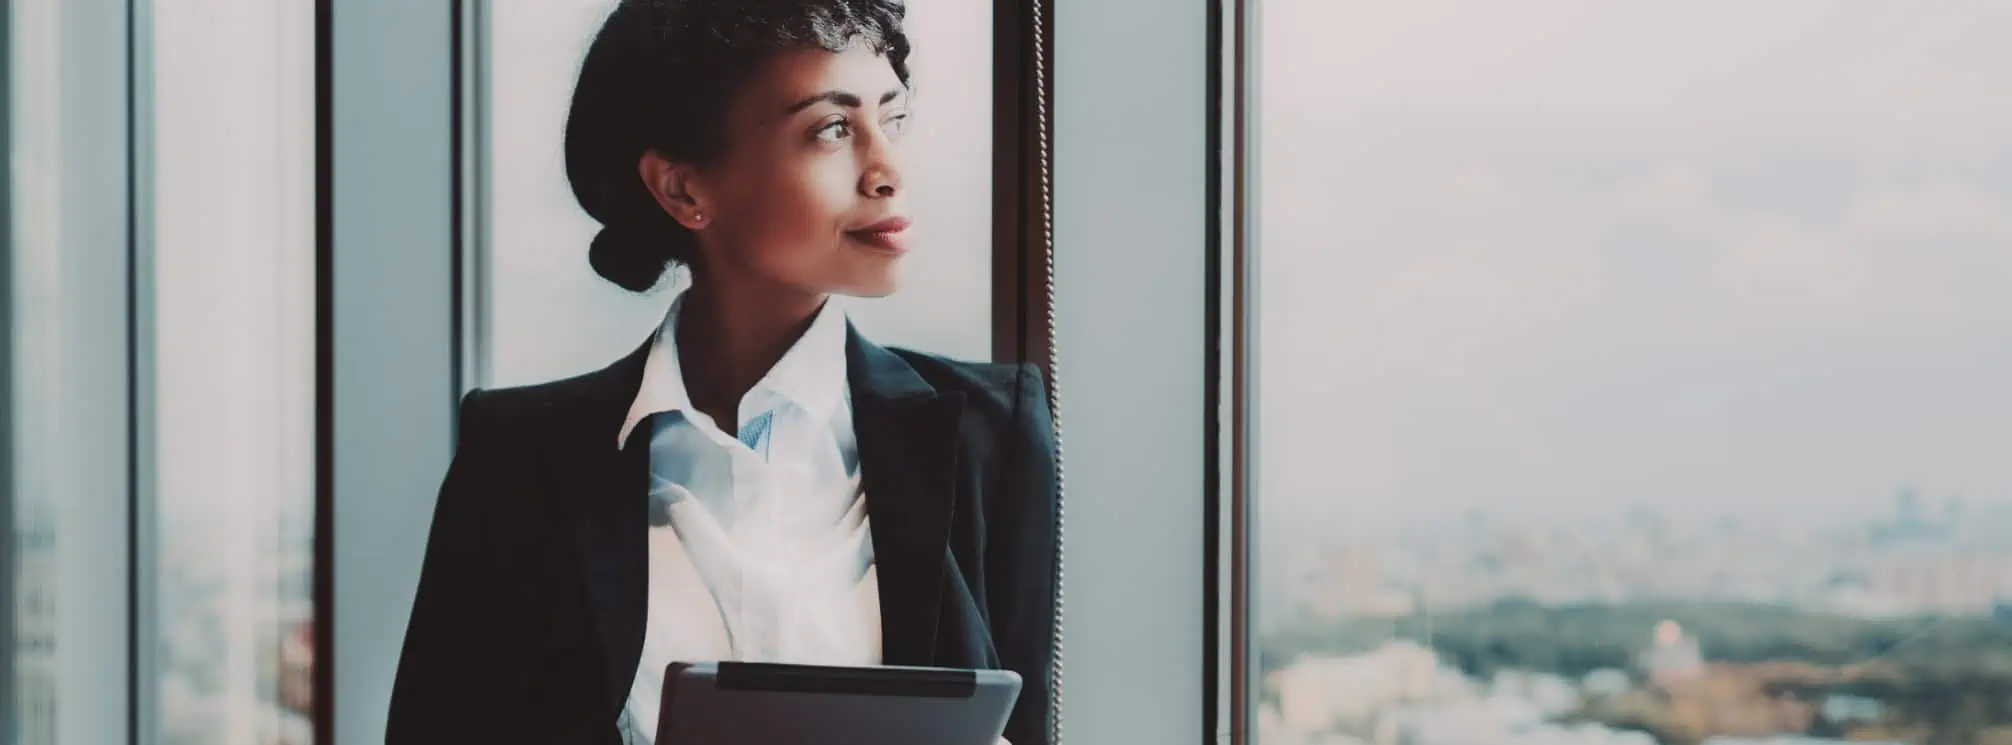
(730, 336)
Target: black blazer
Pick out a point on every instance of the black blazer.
(528, 624)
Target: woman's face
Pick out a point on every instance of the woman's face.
(809, 193)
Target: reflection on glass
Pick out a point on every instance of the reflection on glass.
(233, 372)
(1635, 374)
(549, 316)
(34, 625)
(45, 652)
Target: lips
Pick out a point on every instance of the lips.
(885, 235)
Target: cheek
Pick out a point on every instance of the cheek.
(795, 216)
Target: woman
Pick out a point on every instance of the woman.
(756, 481)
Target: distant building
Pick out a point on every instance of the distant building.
(1323, 693)
(1551, 695)
(1672, 658)
(1399, 694)
(296, 669)
(35, 623)
(1605, 683)
(1944, 584)
(1862, 602)
(1500, 721)
(1351, 583)
(1842, 709)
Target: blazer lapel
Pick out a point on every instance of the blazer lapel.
(908, 447)
(605, 492)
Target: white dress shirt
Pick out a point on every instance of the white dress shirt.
(759, 548)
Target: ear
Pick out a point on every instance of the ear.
(672, 186)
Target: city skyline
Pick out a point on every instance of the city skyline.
(1915, 557)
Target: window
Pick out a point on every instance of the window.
(231, 388)
(1631, 374)
(549, 316)
(64, 506)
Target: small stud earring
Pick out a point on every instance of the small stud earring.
(698, 217)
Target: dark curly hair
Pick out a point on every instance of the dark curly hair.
(660, 76)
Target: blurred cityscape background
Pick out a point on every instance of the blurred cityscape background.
(1636, 627)
(1634, 373)
(236, 653)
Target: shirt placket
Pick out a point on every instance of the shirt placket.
(795, 502)
(761, 544)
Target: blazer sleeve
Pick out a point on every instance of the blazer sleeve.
(452, 679)
(1021, 551)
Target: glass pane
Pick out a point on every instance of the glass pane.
(64, 486)
(29, 507)
(549, 316)
(1635, 373)
(233, 387)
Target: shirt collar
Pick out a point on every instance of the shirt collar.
(812, 374)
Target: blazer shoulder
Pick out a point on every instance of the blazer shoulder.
(1009, 399)
(512, 411)
(982, 383)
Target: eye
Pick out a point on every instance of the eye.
(896, 124)
(833, 132)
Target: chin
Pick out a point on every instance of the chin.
(877, 289)
(881, 282)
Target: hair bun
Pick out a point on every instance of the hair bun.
(634, 260)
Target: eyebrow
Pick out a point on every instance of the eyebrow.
(841, 98)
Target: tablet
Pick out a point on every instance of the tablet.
(741, 703)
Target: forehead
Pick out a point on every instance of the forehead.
(794, 75)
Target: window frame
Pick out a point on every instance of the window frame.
(9, 605)
(1234, 501)
(1136, 273)
(1023, 40)
(1233, 532)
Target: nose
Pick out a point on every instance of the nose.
(881, 180)
(882, 177)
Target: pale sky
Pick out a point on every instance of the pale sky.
(1546, 256)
